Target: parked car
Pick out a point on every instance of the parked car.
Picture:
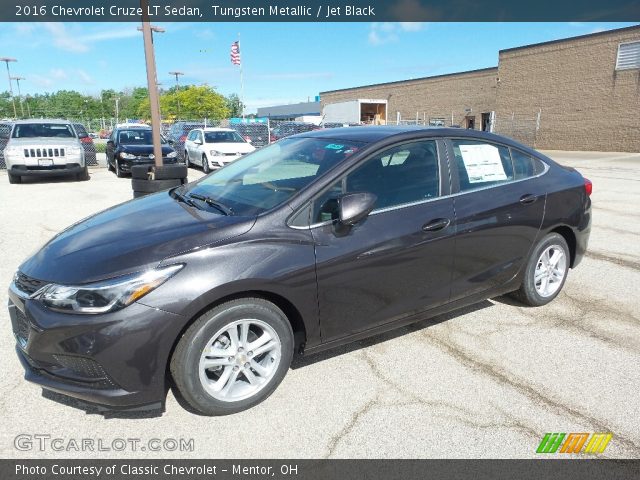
(178, 135)
(133, 145)
(255, 132)
(44, 148)
(87, 144)
(315, 241)
(286, 129)
(212, 148)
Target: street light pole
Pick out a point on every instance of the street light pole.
(7, 60)
(177, 74)
(152, 80)
(17, 79)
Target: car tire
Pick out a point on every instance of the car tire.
(119, 173)
(152, 186)
(243, 379)
(109, 166)
(170, 172)
(83, 176)
(15, 178)
(205, 165)
(139, 194)
(187, 161)
(545, 272)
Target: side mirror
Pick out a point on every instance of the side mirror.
(355, 206)
(171, 142)
(198, 142)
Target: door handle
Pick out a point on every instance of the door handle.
(527, 199)
(436, 225)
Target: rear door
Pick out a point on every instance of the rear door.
(399, 259)
(499, 211)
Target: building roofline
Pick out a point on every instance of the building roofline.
(413, 79)
(569, 39)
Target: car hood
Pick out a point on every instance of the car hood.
(144, 149)
(231, 147)
(17, 142)
(130, 237)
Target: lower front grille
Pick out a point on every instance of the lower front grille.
(87, 370)
(21, 328)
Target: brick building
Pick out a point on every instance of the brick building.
(579, 93)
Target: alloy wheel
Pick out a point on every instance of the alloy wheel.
(550, 270)
(240, 360)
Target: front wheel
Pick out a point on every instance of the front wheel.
(205, 165)
(546, 271)
(233, 356)
(119, 172)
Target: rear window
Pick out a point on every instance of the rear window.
(32, 130)
(481, 164)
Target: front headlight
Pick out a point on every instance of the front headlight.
(128, 156)
(12, 151)
(74, 150)
(172, 155)
(216, 153)
(105, 296)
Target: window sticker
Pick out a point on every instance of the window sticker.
(333, 146)
(483, 163)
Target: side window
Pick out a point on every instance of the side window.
(524, 165)
(400, 175)
(481, 164)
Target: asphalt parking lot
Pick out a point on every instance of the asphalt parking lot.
(485, 382)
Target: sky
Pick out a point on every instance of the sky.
(282, 62)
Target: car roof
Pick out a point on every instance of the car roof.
(41, 120)
(370, 134)
(216, 129)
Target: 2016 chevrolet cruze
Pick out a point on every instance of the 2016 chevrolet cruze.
(314, 241)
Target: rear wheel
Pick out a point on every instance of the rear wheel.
(205, 164)
(233, 357)
(83, 176)
(546, 271)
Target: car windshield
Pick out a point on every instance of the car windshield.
(31, 130)
(272, 175)
(223, 137)
(137, 137)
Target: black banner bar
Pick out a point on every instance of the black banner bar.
(319, 469)
(319, 10)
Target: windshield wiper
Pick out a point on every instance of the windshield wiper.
(183, 198)
(215, 204)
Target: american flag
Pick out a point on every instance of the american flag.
(235, 53)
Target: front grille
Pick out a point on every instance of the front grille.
(44, 152)
(21, 328)
(27, 284)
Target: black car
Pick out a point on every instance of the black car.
(178, 135)
(312, 242)
(286, 129)
(133, 145)
(256, 133)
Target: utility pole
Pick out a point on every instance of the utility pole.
(17, 79)
(117, 109)
(7, 60)
(177, 74)
(152, 80)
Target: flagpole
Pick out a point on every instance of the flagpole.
(241, 79)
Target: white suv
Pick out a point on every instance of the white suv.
(213, 148)
(44, 148)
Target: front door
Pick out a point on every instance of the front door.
(398, 260)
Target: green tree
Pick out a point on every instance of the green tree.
(194, 101)
(235, 105)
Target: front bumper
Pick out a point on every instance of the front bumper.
(217, 161)
(53, 171)
(126, 164)
(117, 359)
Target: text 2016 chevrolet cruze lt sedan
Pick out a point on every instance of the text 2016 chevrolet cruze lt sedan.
(316, 240)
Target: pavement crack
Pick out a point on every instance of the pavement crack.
(632, 264)
(335, 440)
(519, 385)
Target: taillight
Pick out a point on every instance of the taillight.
(588, 186)
(183, 138)
(86, 140)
